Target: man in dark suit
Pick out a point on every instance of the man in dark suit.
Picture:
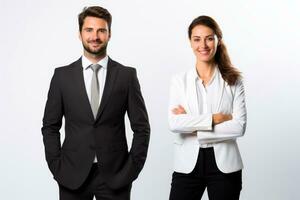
(93, 94)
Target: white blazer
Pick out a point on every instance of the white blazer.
(228, 100)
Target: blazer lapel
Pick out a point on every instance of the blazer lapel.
(79, 81)
(218, 93)
(109, 83)
(191, 92)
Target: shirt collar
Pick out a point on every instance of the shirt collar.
(86, 63)
(216, 72)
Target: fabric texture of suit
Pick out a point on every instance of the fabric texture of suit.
(227, 100)
(85, 136)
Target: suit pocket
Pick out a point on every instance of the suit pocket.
(178, 139)
(125, 176)
(114, 147)
(70, 146)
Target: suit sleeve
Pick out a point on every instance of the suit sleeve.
(52, 122)
(185, 123)
(139, 122)
(233, 128)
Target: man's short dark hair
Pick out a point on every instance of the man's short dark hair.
(94, 11)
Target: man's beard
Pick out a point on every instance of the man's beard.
(97, 52)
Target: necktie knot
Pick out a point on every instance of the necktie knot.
(95, 67)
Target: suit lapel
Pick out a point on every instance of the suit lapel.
(109, 83)
(79, 80)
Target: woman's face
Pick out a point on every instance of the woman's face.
(204, 43)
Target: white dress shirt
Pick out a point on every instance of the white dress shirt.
(204, 97)
(88, 75)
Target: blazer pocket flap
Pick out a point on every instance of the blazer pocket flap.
(178, 139)
(117, 146)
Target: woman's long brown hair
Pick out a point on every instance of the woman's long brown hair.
(229, 73)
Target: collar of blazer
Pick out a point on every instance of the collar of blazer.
(191, 91)
(109, 83)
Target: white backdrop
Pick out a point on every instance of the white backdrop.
(263, 41)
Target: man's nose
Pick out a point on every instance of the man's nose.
(95, 35)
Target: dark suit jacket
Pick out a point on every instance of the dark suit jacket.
(104, 136)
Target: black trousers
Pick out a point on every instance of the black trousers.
(220, 186)
(94, 186)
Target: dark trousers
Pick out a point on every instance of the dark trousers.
(220, 186)
(94, 186)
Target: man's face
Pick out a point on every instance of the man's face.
(94, 35)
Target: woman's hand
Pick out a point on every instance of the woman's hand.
(178, 110)
(220, 117)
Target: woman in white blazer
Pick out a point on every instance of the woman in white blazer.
(207, 113)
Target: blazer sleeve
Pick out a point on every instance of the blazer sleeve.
(138, 117)
(184, 123)
(52, 122)
(139, 123)
(233, 128)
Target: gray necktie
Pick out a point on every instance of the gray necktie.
(95, 89)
